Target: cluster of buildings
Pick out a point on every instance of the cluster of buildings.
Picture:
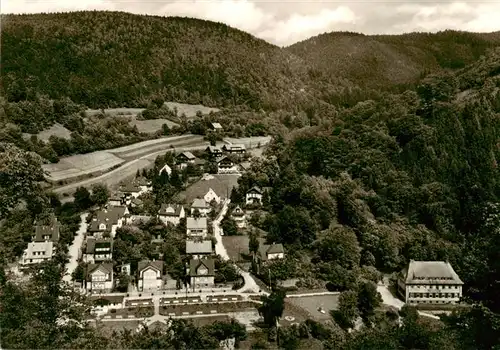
(43, 243)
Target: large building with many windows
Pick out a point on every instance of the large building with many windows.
(430, 282)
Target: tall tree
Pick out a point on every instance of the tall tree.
(100, 194)
(82, 198)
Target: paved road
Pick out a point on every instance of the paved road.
(74, 248)
(391, 300)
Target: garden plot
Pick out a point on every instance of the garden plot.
(115, 111)
(249, 142)
(81, 164)
(190, 110)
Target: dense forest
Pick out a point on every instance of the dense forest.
(363, 177)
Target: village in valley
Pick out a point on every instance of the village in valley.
(200, 255)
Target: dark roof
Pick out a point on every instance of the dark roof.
(245, 165)
(234, 147)
(431, 272)
(129, 187)
(199, 161)
(186, 155)
(255, 189)
(194, 265)
(143, 264)
(265, 249)
(93, 243)
(109, 216)
(213, 149)
(225, 159)
(197, 223)
(170, 210)
(47, 230)
(106, 267)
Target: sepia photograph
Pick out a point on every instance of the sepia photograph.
(250, 174)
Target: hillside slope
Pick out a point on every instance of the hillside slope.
(117, 59)
(392, 60)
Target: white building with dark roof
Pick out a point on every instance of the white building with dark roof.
(171, 213)
(150, 275)
(196, 227)
(201, 205)
(430, 282)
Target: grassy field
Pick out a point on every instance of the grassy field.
(190, 110)
(55, 130)
(237, 245)
(151, 126)
(311, 305)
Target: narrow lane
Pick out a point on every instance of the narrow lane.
(74, 248)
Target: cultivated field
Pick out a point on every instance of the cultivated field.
(115, 111)
(55, 130)
(151, 126)
(313, 303)
(249, 142)
(190, 110)
(81, 164)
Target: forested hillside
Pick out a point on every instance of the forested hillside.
(392, 61)
(411, 176)
(118, 59)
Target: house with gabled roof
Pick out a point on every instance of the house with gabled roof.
(213, 151)
(150, 275)
(226, 166)
(202, 273)
(216, 126)
(144, 184)
(171, 213)
(130, 189)
(165, 168)
(38, 252)
(270, 252)
(254, 195)
(99, 278)
(200, 205)
(98, 250)
(184, 158)
(239, 217)
(234, 148)
(430, 282)
(107, 221)
(196, 228)
(199, 249)
(45, 233)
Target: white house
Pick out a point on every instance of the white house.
(171, 213)
(107, 220)
(199, 249)
(210, 196)
(216, 127)
(239, 217)
(116, 199)
(430, 282)
(98, 250)
(254, 196)
(196, 228)
(130, 190)
(166, 168)
(37, 252)
(201, 205)
(150, 275)
(99, 278)
(271, 252)
(226, 166)
(202, 273)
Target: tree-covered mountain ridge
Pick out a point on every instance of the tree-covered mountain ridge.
(109, 59)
